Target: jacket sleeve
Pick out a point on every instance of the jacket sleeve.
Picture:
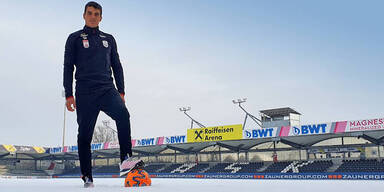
(117, 68)
(69, 66)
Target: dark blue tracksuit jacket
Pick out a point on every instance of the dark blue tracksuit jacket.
(94, 55)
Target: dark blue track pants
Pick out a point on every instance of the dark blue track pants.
(88, 107)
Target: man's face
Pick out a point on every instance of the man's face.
(92, 17)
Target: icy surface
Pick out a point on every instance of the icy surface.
(191, 185)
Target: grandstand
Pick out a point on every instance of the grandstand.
(335, 148)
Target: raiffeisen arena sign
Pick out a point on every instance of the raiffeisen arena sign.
(218, 133)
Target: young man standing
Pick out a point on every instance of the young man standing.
(94, 53)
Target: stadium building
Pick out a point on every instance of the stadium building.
(281, 148)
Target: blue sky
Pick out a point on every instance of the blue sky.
(322, 58)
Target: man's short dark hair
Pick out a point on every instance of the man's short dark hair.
(94, 5)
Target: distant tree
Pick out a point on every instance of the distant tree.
(104, 133)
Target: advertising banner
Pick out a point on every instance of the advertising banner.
(171, 140)
(218, 133)
(175, 139)
(290, 176)
(336, 150)
(39, 149)
(74, 148)
(260, 133)
(146, 141)
(67, 149)
(335, 127)
(96, 146)
(24, 149)
(111, 145)
(54, 150)
(2, 149)
(312, 129)
(360, 125)
(9, 148)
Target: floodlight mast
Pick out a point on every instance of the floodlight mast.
(65, 109)
(184, 110)
(255, 119)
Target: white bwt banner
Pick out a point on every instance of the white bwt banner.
(260, 133)
(310, 129)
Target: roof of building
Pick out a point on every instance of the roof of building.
(279, 112)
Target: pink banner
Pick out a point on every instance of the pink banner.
(340, 127)
(160, 141)
(106, 145)
(284, 131)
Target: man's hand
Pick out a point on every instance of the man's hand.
(122, 97)
(70, 103)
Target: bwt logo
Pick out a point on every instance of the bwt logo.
(144, 142)
(310, 129)
(72, 148)
(96, 146)
(55, 150)
(259, 133)
(175, 139)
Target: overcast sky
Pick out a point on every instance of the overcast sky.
(322, 58)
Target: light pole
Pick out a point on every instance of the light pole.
(65, 106)
(185, 109)
(240, 101)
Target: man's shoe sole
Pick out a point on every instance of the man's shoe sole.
(138, 165)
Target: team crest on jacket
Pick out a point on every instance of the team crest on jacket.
(85, 43)
(105, 43)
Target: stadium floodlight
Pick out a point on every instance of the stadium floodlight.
(239, 102)
(184, 110)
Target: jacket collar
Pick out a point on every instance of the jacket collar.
(91, 31)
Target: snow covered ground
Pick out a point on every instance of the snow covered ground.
(192, 185)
